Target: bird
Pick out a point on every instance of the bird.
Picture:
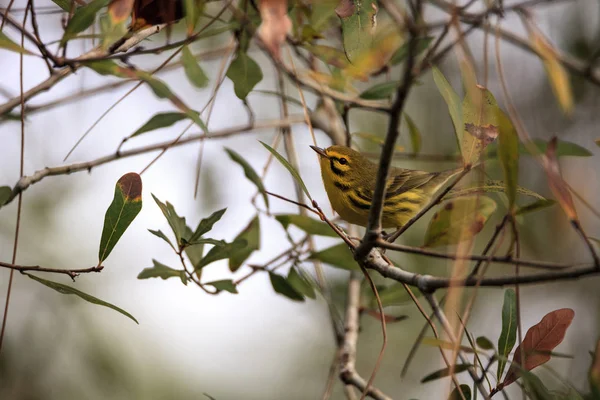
(349, 179)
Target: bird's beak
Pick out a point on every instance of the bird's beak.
(320, 151)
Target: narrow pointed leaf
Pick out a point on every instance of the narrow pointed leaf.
(245, 74)
(289, 167)
(64, 4)
(458, 219)
(83, 18)
(206, 225)
(176, 222)
(539, 339)
(158, 121)
(161, 235)
(415, 135)
(221, 252)
(444, 372)
(251, 235)
(250, 173)
(7, 44)
(452, 101)
(508, 335)
(380, 91)
(535, 206)
(192, 69)
(466, 393)
(338, 256)
(557, 184)
(301, 284)
(508, 152)
(160, 270)
(307, 224)
(226, 285)
(125, 206)
(64, 289)
(283, 287)
(193, 11)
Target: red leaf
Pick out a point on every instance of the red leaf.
(275, 24)
(540, 339)
(119, 10)
(556, 182)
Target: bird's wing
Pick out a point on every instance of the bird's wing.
(401, 182)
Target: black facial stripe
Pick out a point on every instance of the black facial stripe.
(343, 187)
(358, 204)
(336, 170)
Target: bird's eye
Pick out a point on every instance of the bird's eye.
(343, 161)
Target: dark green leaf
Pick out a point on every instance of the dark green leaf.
(221, 252)
(301, 284)
(484, 343)
(508, 335)
(358, 23)
(282, 286)
(289, 167)
(161, 235)
(466, 393)
(64, 289)
(125, 206)
(214, 242)
(535, 206)
(250, 173)
(459, 219)
(160, 270)
(508, 153)
(65, 4)
(5, 193)
(400, 54)
(415, 135)
(192, 69)
(83, 18)
(225, 284)
(380, 91)
(206, 225)
(307, 224)
(251, 235)
(245, 73)
(453, 102)
(458, 368)
(338, 256)
(161, 120)
(8, 44)
(176, 222)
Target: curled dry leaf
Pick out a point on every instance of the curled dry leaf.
(119, 10)
(539, 341)
(557, 184)
(155, 12)
(275, 24)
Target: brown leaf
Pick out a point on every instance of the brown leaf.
(540, 339)
(345, 9)
(556, 182)
(154, 12)
(275, 24)
(131, 185)
(119, 10)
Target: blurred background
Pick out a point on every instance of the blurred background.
(257, 344)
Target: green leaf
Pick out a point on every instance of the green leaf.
(452, 101)
(7, 44)
(415, 135)
(459, 219)
(535, 206)
(64, 289)
(490, 186)
(192, 69)
(5, 193)
(161, 235)
(563, 149)
(442, 373)
(508, 152)
(65, 4)
(466, 392)
(301, 284)
(380, 91)
(484, 343)
(206, 225)
(400, 54)
(160, 270)
(358, 23)
(251, 235)
(481, 117)
(193, 10)
(221, 252)
(309, 225)
(283, 287)
(250, 173)
(158, 121)
(176, 222)
(338, 256)
(125, 206)
(289, 167)
(329, 55)
(508, 335)
(224, 285)
(245, 73)
(194, 252)
(83, 18)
